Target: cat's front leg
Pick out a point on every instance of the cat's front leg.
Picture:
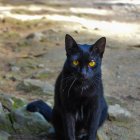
(94, 124)
(69, 126)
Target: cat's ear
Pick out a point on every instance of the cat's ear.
(70, 44)
(99, 46)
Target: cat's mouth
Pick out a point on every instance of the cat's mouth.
(83, 80)
(83, 83)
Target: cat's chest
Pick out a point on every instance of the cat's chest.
(82, 112)
(79, 114)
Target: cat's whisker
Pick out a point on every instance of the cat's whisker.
(67, 80)
(94, 83)
(71, 86)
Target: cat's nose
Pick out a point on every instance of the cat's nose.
(83, 76)
(84, 73)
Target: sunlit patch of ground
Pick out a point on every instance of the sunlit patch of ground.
(112, 29)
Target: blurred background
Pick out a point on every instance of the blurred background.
(32, 54)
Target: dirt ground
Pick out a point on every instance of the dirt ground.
(86, 21)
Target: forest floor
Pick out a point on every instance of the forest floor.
(32, 36)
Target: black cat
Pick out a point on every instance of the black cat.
(79, 104)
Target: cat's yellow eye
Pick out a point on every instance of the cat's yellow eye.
(75, 62)
(92, 63)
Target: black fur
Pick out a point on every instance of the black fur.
(79, 104)
(41, 107)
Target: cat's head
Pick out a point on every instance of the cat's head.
(84, 61)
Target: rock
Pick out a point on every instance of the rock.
(5, 123)
(46, 70)
(7, 104)
(15, 68)
(116, 112)
(45, 87)
(40, 65)
(29, 122)
(11, 102)
(37, 36)
(12, 76)
(6, 101)
(42, 74)
(4, 135)
(113, 100)
(18, 102)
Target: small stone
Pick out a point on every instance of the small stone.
(40, 65)
(47, 70)
(15, 68)
(37, 36)
(118, 74)
(42, 74)
(45, 87)
(96, 28)
(76, 32)
(11, 76)
(116, 112)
